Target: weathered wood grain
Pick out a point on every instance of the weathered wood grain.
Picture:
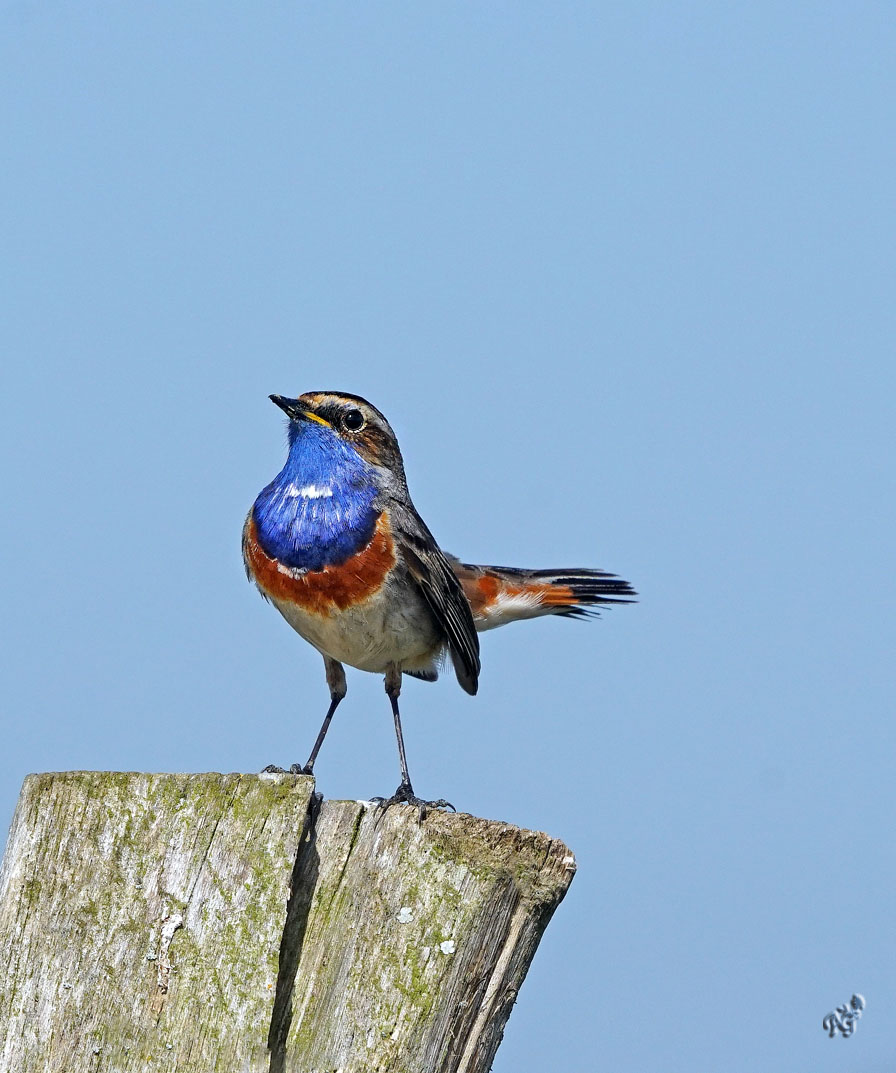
(224, 922)
(141, 918)
(416, 940)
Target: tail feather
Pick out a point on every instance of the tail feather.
(501, 594)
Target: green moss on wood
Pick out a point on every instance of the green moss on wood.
(115, 853)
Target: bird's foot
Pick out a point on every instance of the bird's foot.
(294, 769)
(405, 795)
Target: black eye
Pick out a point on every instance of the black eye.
(353, 421)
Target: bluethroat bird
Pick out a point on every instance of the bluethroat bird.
(335, 544)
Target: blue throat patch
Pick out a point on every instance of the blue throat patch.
(318, 511)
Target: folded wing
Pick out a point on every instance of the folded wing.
(441, 588)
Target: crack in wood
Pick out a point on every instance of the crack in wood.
(302, 885)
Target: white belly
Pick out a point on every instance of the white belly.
(388, 628)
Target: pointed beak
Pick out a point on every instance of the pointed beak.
(291, 407)
(295, 411)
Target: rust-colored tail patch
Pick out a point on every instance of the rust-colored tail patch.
(485, 591)
(500, 594)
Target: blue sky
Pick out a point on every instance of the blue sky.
(620, 276)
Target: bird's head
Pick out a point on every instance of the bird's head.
(345, 421)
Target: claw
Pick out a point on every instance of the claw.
(294, 769)
(405, 795)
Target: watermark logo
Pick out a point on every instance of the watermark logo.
(845, 1017)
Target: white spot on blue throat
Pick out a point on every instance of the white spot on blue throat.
(308, 491)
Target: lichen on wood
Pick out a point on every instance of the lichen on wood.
(95, 970)
(417, 939)
(235, 923)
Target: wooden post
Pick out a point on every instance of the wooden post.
(194, 923)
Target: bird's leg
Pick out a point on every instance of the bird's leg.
(308, 768)
(405, 795)
(336, 682)
(393, 691)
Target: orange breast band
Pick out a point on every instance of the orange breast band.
(334, 587)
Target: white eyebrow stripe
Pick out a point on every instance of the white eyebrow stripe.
(308, 491)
